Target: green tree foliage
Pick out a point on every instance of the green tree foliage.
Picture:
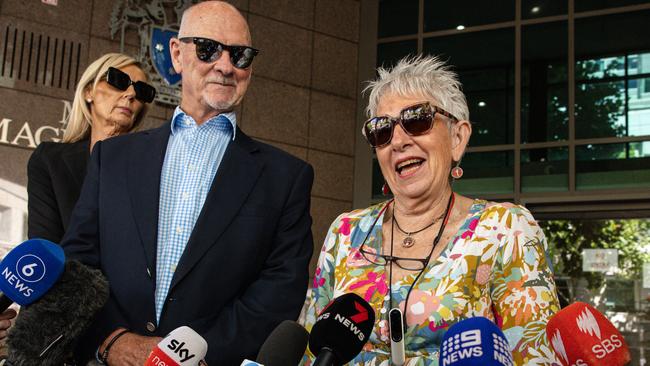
(567, 239)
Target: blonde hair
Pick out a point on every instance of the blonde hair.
(79, 120)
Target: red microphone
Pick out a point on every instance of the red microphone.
(581, 336)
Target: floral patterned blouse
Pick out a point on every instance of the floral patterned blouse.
(495, 266)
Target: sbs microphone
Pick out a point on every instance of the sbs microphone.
(341, 330)
(475, 341)
(182, 347)
(28, 271)
(580, 335)
(284, 346)
(45, 332)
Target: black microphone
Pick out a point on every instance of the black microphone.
(341, 330)
(46, 331)
(285, 346)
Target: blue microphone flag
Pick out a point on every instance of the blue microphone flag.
(475, 341)
(29, 270)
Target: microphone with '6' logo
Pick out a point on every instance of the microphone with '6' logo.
(475, 341)
(182, 347)
(580, 336)
(341, 330)
(28, 271)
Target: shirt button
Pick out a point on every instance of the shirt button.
(185, 195)
(179, 230)
(151, 327)
(190, 167)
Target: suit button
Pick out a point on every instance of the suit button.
(151, 327)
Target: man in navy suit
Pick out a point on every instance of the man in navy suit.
(194, 223)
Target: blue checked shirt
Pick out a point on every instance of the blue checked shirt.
(194, 153)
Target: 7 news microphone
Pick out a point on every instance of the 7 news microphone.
(341, 330)
(182, 347)
(475, 341)
(58, 299)
(581, 336)
(285, 346)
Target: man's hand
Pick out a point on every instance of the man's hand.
(131, 350)
(5, 321)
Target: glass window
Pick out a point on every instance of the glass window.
(600, 109)
(638, 93)
(620, 291)
(638, 64)
(439, 15)
(488, 80)
(398, 17)
(613, 166)
(544, 94)
(542, 8)
(486, 173)
(545, 170)
(389, 53)
(585, 5)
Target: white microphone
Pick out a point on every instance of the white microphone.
(182, 347)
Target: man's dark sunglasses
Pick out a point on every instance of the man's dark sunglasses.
(209, 50)
(415, 120)
(120, 80)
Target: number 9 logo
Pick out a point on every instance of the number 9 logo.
(30, 268)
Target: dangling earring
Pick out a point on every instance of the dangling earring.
(385, 189)
(457, 171)
(89, 100)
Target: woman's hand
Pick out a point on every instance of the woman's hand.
(5, 321)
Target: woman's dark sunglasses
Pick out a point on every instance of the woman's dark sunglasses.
(415, 120)
(209, 50)
(120, 80)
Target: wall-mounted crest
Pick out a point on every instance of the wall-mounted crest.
(155, 21)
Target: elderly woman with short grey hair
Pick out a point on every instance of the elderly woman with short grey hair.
(437, 256)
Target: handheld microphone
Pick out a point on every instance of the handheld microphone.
(396, 323)
(182, 347)
(284, 346)
(580, 335)
(46, 331)
(475, 341)
(29, 271)
(341, 330)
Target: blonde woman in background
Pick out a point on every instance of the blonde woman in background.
(111, 99)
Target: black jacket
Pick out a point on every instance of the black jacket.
(55, 174)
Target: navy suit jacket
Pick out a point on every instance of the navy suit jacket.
(245, 266)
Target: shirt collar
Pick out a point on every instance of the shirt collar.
(180, 116)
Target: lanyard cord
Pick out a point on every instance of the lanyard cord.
(450, 205)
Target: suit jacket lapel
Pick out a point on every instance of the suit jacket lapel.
(144, 187)
(233, 182)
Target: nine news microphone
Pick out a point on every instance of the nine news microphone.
(28, 271)
(182, 347)
(285, 346)
(46, 332)
(475, 341)
(341, 330)
(580, 336)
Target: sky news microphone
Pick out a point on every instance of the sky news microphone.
(341, 330)
(475, 341)
(580, 335)
(46, 331)
(182, 347)
(285, 346)
(28, 271)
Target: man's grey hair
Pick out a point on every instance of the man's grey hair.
(419, 76)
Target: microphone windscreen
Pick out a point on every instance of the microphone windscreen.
(182, 347)
(46, 331)
(30, 269)
(343, 327)
(580, 334)
(285, 346)
(475, 341)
